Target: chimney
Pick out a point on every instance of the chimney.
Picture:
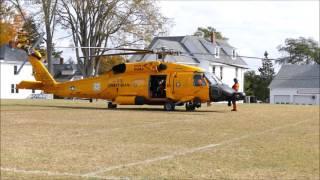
(61, 60)
(213, 37)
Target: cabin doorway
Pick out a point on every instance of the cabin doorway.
(158, 86)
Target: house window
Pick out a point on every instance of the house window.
(33, 91)
(217, 52)
(17, 90)
(214, 69)
(237, 73)
(15, 70)
(221, 72)
(12, 88)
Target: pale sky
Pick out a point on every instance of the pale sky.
(251, 26)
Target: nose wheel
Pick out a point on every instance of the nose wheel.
(192, 105)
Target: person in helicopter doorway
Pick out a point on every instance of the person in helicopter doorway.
(161, 89)
(236, 88)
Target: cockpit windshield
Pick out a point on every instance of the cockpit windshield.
(212, 78)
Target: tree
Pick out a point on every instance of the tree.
(207, 32)
(266, 76)
(257, 85)
(30, 28)
(250, 83)
(48, 14)
(267, 70)
(7, 29)
(112, 23)
(300, 51)
(254, 85)
(7, 33)
(6, 11)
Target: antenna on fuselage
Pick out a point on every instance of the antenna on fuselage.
(162, 53)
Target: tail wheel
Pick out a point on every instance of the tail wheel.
(169, 106)
(111, 106)
(190, 106)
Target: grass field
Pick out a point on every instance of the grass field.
(60, 139)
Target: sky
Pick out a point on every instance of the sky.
(253, 27)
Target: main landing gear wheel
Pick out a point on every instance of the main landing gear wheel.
(190, 106)
(112, 106)
(169, 106)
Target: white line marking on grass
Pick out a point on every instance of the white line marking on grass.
(189, 151)
(50, 173)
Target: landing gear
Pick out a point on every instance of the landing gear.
(112, 106)
(169, 106)
(190, 106)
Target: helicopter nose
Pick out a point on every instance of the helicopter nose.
(224, 93)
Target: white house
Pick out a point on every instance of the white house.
(10, 61)
(296, 84)
(215, 56)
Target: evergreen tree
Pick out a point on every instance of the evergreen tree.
(267, 70)
(266, 76)
(257, 84)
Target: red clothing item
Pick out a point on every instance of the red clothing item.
(235, 86)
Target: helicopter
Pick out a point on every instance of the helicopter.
(153, 83)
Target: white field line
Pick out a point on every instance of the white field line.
(50, 173)
(192, 150)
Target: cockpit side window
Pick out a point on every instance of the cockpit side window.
(198, 80)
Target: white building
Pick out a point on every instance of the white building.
(215, 56)
(10, 61)
(296, 84)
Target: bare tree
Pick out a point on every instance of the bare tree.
(48, 10)
(106, 23)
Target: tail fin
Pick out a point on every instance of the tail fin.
(40, 71)
(44, 80)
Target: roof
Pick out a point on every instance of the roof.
(65, 72)
(297, 76)
(12, 54)
(197, 49)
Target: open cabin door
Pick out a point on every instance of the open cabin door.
(157, 86)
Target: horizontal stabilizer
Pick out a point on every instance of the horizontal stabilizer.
(30, 85)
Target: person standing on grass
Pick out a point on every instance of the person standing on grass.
(236, 88)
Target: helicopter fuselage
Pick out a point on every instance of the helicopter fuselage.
(153, 82)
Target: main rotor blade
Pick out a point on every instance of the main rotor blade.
(107, 49)
(118, 54)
